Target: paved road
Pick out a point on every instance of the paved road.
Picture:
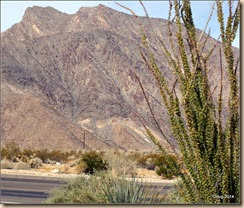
(33, 190)
(26, 189)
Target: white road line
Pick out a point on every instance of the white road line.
(6, 202)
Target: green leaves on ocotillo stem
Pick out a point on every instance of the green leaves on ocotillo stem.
(209, 148)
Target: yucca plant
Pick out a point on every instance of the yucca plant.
(103, 188)
(118, 190)
(209, 159)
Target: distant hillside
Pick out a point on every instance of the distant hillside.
(63, 75)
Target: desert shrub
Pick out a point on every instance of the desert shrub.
(6, 164)
(10, 151)
(120, 164)
(102, 188)
(133, 155)
(81, 166)
(94, 162)
(22, 166)
(161, 164)
(28, 152)
(79, 191)
(147, 161)
(76, 154)
(164, 166)
(42, 154)
(3, 153)
(55, 155)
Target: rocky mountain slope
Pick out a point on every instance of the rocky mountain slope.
(68, 81)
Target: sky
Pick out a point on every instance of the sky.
(12, 11)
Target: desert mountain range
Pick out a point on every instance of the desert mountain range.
(68, 81)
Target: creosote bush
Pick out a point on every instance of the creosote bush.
(159, 163)
(94, 162)
(10, 151)
(164, 166)
(55, 155)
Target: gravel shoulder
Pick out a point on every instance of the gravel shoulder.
(68, 176)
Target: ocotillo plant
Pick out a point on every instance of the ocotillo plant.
(209, 148)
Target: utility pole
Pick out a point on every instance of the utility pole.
(84, 140)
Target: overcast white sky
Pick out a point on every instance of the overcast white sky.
(12, 11)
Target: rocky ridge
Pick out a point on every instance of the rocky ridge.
(68, 81)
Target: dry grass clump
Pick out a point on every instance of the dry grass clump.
(22, 166)
(81, 166)
(6, 164)
(119, 163)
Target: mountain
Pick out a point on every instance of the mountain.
(68, 81)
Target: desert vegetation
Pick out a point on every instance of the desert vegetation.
(209, 158)
(207, 161)
(104, 188)
(116, 162)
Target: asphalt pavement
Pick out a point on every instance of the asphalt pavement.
(26, 189)
(17, 189)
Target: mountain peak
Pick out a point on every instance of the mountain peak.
(66, 74)
(39, 9)
(100, 7)
(41, 12)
